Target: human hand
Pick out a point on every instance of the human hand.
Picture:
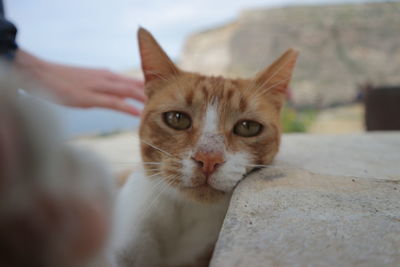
(81, 87)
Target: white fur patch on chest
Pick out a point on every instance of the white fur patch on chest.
(198, 230)
(149, 219)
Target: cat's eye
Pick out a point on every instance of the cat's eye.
(177, 120)
(247, 128)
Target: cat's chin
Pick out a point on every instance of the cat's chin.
(203, 193)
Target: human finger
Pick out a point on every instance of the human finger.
(115, 103)
(122, 89)
(122, 78)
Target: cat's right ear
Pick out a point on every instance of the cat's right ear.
(156, 65)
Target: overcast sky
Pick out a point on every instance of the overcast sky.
(103, 32)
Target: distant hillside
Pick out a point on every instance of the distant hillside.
(341, 46)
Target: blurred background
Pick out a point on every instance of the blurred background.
(347, 47)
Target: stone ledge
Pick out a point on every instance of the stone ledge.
(372, 155)
(327, 201)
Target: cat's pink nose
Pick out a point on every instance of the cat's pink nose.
(208, 162)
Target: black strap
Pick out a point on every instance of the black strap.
(1, 9)
(8, 33)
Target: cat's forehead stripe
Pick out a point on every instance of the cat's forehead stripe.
(189, 97)
(205, 92)
(242, 103)
(217, 87)
(227, 92)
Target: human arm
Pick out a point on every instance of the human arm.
(80, 87)
(68, 85)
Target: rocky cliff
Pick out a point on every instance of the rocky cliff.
(341, 47)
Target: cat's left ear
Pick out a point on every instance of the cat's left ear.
(156, 65)
(275, 79)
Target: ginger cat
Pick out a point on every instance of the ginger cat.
(200, 136)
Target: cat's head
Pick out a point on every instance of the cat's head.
(203, 134)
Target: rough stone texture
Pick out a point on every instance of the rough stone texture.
(327, 201)
(375, 155)
(341, 47)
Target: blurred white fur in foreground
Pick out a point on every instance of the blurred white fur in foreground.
(55, 200)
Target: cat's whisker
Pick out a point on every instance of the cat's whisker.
(266, 90)
(137, 163)
(175, 72)
(275, 73)
(156, 74)
(164, 78)
(256, 90)
(163, 187)
(151, 167)
(275, 84)
(261, 165)
(259, 70)
(269, 166)
(172, 178)
(124, 163)
(152, 175)
(179, 85)
(155, 174)
(140, 163)
(152, 170)
(156, 148)
(159, 182)
(256, 165)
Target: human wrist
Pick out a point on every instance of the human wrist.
(27, 62)
(30, 69)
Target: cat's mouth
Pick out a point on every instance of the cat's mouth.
(216, 182)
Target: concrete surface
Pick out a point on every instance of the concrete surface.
(327, 201)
